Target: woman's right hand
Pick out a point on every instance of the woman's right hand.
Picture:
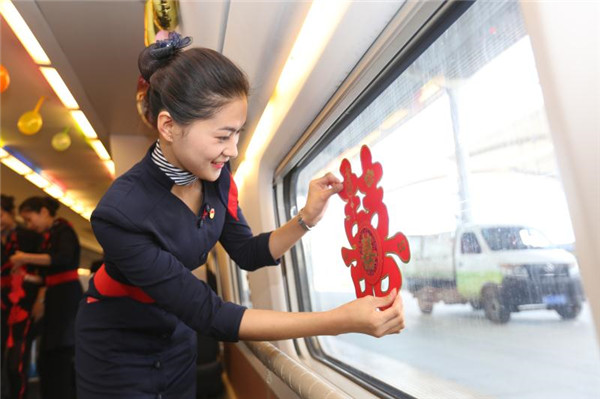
(363, 315)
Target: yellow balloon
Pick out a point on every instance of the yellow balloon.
(61, 141)
(30, 122)
(166, 14)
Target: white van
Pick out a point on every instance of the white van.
(500, 268)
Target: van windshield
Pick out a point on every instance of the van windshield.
(513, 238)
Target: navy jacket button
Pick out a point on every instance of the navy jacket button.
(159, 396)
(157, 364)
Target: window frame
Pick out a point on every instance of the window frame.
(436, 19)
(236, 281)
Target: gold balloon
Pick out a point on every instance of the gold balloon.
(166, 14)
(61, 141)
(31, 121)
(149, 28)
(4, 79)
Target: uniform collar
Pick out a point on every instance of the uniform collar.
(179, 176)
(225, 184)
(155, 171)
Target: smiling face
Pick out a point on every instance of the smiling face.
(204, 146)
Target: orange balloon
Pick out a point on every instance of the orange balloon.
(4, 79)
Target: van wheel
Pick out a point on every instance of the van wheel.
(493, 306)
(569, 312)
(425, 306)
(425, 300)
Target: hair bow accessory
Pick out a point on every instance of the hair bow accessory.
(166, 48)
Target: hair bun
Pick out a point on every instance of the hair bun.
(158, 54)
(52, 204)
(8, 203)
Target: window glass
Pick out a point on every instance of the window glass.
(469, 244)
(514, 238)
(464, 143)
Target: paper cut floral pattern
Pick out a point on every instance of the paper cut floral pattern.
(373, 271)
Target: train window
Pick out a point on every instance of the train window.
(465, 147)
(241, 282)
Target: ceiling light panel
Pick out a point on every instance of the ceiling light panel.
(22, 31)
(84, 124)
(59, 87)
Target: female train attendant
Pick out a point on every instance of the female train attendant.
(21, 297)
(60, 257)
(135, 328)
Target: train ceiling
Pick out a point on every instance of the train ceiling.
(94, 46)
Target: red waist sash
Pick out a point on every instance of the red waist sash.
(107, 286)
(61, 278)
(6, 281)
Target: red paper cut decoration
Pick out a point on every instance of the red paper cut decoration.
(369, 265)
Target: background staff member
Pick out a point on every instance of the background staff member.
(17, 323)
(60, 255)
(158, 221)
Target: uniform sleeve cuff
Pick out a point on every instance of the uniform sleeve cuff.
(226, 324)
(267, 258)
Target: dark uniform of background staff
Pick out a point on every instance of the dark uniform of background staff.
(16, 359)
(63, 293)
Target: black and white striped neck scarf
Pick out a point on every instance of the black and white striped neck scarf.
(179, 176)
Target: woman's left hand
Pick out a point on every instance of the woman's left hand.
(319, 192)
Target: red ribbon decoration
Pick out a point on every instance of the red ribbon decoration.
(17, 314)
(369, 245)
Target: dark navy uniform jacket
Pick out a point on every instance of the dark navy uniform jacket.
(152, 240)
(61, 300)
